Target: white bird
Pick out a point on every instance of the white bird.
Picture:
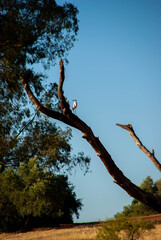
(74, 104)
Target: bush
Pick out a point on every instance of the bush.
(123, 229)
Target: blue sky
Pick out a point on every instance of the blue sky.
(114, 72)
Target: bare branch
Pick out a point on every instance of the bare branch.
(77, 122)
(102, 153)
(48, 112)
(71, 119)
(63, 104)
(130, 129)
(26, 126)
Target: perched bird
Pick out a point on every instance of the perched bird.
(74, 104)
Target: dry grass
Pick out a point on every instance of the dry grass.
(75, 233)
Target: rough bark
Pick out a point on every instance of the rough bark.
(71, 119)
(151, 155)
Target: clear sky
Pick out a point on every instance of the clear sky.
(114, 72)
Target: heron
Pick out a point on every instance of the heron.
(74, 104)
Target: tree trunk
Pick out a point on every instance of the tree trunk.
(71, 119)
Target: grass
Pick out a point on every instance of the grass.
(74, 233)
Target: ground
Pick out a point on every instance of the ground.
(82, 232)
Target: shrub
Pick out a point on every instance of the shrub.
(123, 229)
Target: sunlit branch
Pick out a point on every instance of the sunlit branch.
(71, 119)
(151, 155)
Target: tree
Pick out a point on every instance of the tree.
(34, 197)
(32, 81)
(72, 120)
(31, 32)
(34, 32)
(138, 209)
(123, 228)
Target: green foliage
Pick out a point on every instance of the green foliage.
(158, 186)
(107, 233)
(40, 138)
(123, 229)
(49, 144)
(34, 197)
(33, 150)
(138, 209)
(31, 32)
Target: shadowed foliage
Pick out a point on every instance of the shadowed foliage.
(34, 197)
(34, 151)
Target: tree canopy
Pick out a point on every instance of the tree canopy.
(33, 32)
(34, 151)
(46, 142)
(33, 197)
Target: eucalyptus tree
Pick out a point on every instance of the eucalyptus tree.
(33, 32)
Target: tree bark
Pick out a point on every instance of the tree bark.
(71, 119)
(151, 155)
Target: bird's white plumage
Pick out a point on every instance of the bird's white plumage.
(74, 104)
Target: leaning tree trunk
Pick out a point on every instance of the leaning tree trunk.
(72, 120)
